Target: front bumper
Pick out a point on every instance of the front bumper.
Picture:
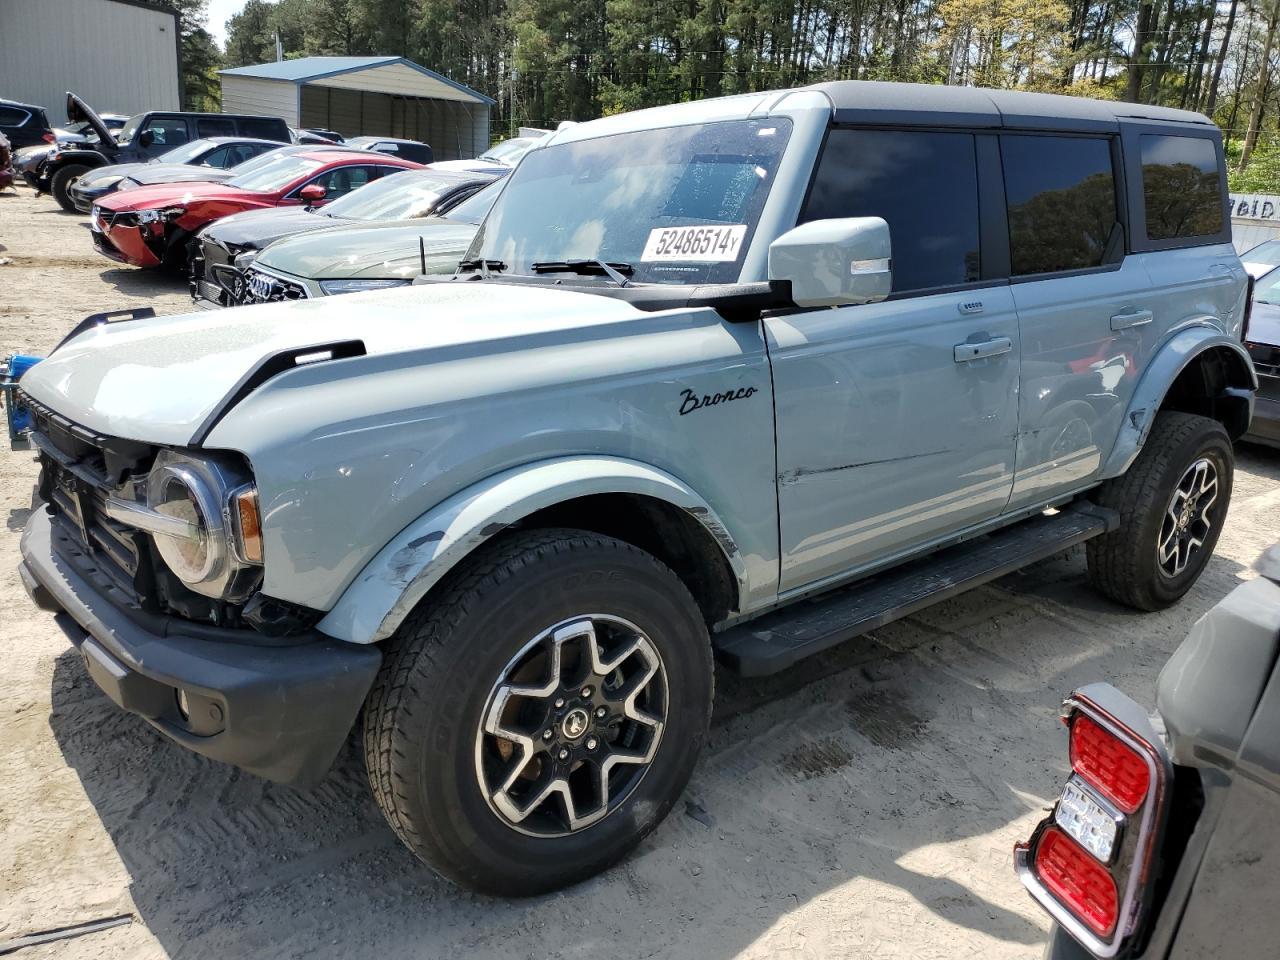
(1265, 426)
(281, 712)
(123, 243)
(83, 199)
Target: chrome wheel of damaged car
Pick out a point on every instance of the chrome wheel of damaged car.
(571, 726)
(1187, 520)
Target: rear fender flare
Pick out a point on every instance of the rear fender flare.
(391, 585)
(1171, 359)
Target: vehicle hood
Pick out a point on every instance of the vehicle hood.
(254, 229)
(169, 194)
(375, 251)
(159, 380)
(114, 171)
(149, 173)
(80, 112)
(1264, 324)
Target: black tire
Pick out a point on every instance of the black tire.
(422, 729)
(1124, 564)
(60, 184)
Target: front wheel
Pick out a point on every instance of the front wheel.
(60, 184)
(542, 712)
(1172, 504)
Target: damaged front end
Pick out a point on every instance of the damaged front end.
(142, 238)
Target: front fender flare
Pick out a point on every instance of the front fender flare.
(1170, 360)
(392, 584)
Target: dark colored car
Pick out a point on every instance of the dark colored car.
(413, 150)
(224, 248)
(1262, 339)
(24, 124)
(316, 135)
(150, 226)
(144, 137)
(26, 162)
(1165, 842)
(6, 170)
(187, 162)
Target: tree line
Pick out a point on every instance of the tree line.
(551, 60)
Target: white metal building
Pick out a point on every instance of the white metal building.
(120, 56)
(356, 96)
(1255, 217)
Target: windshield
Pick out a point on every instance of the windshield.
(276, 174)
(509, 151)
(1267, 288)
(130, 128)
(477, 206)
(1266, 252)
(400, 196)
(187, 153)
(678, 205)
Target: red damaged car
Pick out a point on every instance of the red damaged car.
(150, 226)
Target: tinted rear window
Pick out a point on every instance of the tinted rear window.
(1061, 193)
(924, 185)
(1181, 187)
(267, 128)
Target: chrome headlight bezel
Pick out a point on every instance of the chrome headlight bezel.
(201, 543)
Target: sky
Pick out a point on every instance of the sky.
(220, 11)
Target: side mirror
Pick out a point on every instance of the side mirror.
(312, 193)
(831, 263)
(146, 138)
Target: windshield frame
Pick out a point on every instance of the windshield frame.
(710, 187)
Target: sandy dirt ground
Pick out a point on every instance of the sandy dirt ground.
(861, 805)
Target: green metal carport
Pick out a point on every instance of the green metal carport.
(357, 96)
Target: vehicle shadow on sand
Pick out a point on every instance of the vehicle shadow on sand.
(892, 773)
(135, 282)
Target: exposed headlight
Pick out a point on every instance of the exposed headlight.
(154, 216)
(334, 287)
(203, 521)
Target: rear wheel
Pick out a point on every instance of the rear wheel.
(60, 184)
(542, 713)
(1172, 504)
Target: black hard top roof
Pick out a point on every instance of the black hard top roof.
(25, 106)
(871, 101)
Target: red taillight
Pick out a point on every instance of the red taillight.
(49, 137)
(1082, 884)
(1109, 764)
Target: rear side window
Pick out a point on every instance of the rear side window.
(1061, 193)
(13, 117)
(215, 127)
(1181, 187)
(265, 128)
(924, 185)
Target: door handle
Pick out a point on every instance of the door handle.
(965, 352)
(1132, 318)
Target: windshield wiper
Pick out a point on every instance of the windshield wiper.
(484, 266)
(615, 271)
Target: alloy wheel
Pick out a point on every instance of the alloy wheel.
(1187, 521)
(571, 725)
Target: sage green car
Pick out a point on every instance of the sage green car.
(356, 258)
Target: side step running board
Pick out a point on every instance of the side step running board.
(780, 638)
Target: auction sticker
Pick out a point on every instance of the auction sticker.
(707, 244)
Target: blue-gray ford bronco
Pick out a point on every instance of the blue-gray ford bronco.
(735, 379)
